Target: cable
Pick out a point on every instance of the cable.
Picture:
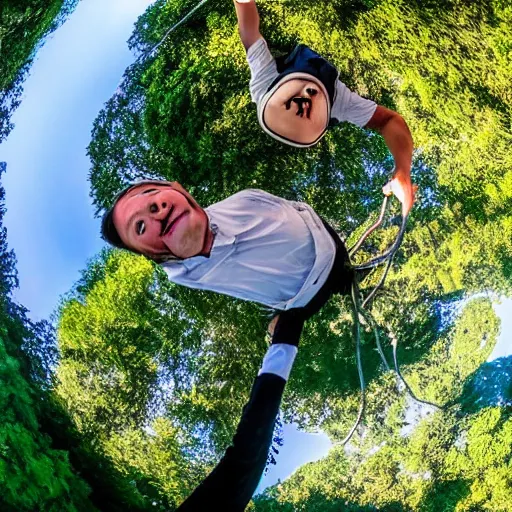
(357, 332)
(371, 229)
(359, 310)
(404, 382)
(373, 325)
(371, 295)
(389, 253)
(172, 29)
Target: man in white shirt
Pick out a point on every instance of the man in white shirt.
(299, 97)
(253, 245)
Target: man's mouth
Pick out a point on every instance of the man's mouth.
(170, 227)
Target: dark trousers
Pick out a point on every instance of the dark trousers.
(339, 280)
(230, 486)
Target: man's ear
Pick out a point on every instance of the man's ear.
(176, 186)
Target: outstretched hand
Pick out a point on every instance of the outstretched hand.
(272, 326)
(403, 189)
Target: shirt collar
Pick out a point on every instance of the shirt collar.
(220, 239)
(221, 236)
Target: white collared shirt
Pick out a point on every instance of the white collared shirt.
(266, 249)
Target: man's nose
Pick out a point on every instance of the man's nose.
(157, 208)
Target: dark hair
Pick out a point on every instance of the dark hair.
(109, 231)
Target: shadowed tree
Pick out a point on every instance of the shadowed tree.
(24, 27)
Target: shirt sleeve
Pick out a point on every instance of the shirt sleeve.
(349, 106)
(263, 69)
(279, 360)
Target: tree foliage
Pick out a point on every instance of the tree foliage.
(33, 475)
(406, 457)
(24, 26)
(185, 114)
(45, 462)
(149, 379)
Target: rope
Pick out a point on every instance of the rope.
(360, 310)
(373, 325)
(387, 254)
(172, 29)
(371, 229)
(371, 295)
(357, 333)
(394, 343)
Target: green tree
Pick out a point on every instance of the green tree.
(185, 114)
(123, 349)
(45, 464)
(24, 26)
(448, 461)
(177, 116)
(33, 475)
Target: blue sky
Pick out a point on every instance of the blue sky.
(49, 216)
(503, 347)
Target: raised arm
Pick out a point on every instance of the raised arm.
(248, 22)
(397, 136)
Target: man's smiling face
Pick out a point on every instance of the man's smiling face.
(160, 221)
(297, 111)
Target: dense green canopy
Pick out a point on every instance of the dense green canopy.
(149, 379)
(445, 66)
(24, 26)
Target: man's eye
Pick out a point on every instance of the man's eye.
(148, 191)
(140, 227)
